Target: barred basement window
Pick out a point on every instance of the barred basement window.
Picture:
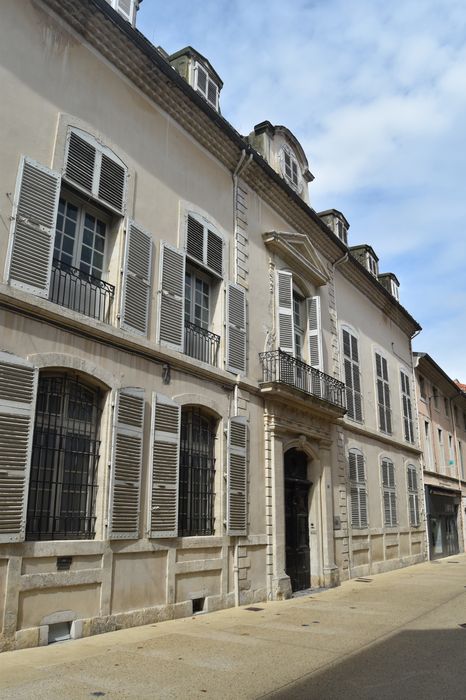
(357, 488)
(389, 492)
(65, 456)
(413, 496)
(197, 472)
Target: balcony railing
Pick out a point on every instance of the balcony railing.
(200, 343)
(80, 291)
(278, 366)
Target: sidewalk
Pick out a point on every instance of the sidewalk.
(395, 635)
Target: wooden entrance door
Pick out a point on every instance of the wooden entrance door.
(297, 520)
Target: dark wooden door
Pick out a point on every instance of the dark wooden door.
(298, 565)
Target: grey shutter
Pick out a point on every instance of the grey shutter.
(165, 459)
(137, 280)
(394, 516)
(214, 252)
(201, 79)
(236, 324)
(285, 312)
(171, 306)
(80, 162)
(353, 471)
(195, 239)
(314, 332)
(112, 183)
(126, 468)
(387, 508)
(33, 225)
(18, 389)
(363, 506)
(354, 494)
(237, 476)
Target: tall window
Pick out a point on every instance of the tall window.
(389, 492)
(291, 168)
(383, 394)
(413, 496)
(299, 325)
(428, 454)
(358, 489)
(352, 376)
(65, 456)
(408, 423)
(197, 472)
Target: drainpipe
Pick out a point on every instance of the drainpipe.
(240, 168)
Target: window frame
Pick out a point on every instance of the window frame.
(358, 490)
(206, 520)
(355, 366)
(407, 415)
(383, 408)
(197, 68)
(63, 429)
(389, 489)
(291, 168)
(413, 495)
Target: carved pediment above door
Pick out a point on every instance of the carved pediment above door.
(298, 252)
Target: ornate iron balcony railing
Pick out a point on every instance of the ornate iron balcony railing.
(280, 367)
(200, 343)
(80, 291)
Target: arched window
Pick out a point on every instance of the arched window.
(197, 471)
(65, 455)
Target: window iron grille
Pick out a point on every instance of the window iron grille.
(65, 456)
(197, 473)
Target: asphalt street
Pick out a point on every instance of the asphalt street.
(396, 635)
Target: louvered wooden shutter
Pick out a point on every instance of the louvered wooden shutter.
(285, 311)
(33, 228)
(95, 169)
(171, 306)
(80, 162)
(314, 331)
(137, 279)
(237, 476)
(18, 390)
(126, 468)
(236, 323)
(195, 239)
(214, 252)
(387, 507)
(165, 458)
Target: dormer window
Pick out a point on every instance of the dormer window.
(342, 232)
(290, 168)
(372, 265)
(126, 8)
(204, 84)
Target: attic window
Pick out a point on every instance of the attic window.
(126, 8)
(205, 85)
(342, 232)
(372, 265)
(395, 290)
(290, 166)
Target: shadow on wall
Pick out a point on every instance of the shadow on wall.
(411, 665)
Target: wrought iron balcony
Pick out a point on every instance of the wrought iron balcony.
(80, 291)
(200, 343)
(281, 368)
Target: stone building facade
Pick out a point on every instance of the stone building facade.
(181, 337)
(442, 423)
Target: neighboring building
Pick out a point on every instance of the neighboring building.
(178, 326)
(442, 422)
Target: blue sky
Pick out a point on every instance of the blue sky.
(375, 91)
